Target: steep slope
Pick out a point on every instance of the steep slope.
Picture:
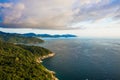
(18, 62)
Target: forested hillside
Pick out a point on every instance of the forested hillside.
(18, 62)
(17, 38)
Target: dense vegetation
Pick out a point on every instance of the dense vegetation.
(17, 38)
(38, 51)
(18, 62)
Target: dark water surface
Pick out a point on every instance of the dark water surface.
(84, 59)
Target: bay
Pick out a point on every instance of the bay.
(84, 59)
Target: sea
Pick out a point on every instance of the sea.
(84, 59)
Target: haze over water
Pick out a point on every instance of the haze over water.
(84, 59)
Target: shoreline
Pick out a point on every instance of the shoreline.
(39, 60)
(48, 56)
(53, 74)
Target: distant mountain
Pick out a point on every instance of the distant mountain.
(29, 34)
(18, 38)
(28, 37)
(48, 35)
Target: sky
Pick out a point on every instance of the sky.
(85, 18)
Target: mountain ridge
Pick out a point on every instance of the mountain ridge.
(48, 35)
(18, 38)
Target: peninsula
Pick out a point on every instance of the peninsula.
(22, 62)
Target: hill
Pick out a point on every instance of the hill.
(17, 38)
(19, 62)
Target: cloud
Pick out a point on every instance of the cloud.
(13, 14)
(96, 11)
(5, 5)
(57, 14)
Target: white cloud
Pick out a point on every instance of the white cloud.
(58, 14)
(6, 5)
(13, 14)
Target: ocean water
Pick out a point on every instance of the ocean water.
(84, 59)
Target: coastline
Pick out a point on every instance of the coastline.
(48, 56)
(39, 60)
(52, 74)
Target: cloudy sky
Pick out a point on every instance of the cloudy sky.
(86, 18)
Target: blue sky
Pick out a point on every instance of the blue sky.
(87, 18)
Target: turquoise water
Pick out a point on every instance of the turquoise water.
(84, 59)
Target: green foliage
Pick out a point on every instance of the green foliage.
(38, 51)
(16, 38)
(17, 62)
